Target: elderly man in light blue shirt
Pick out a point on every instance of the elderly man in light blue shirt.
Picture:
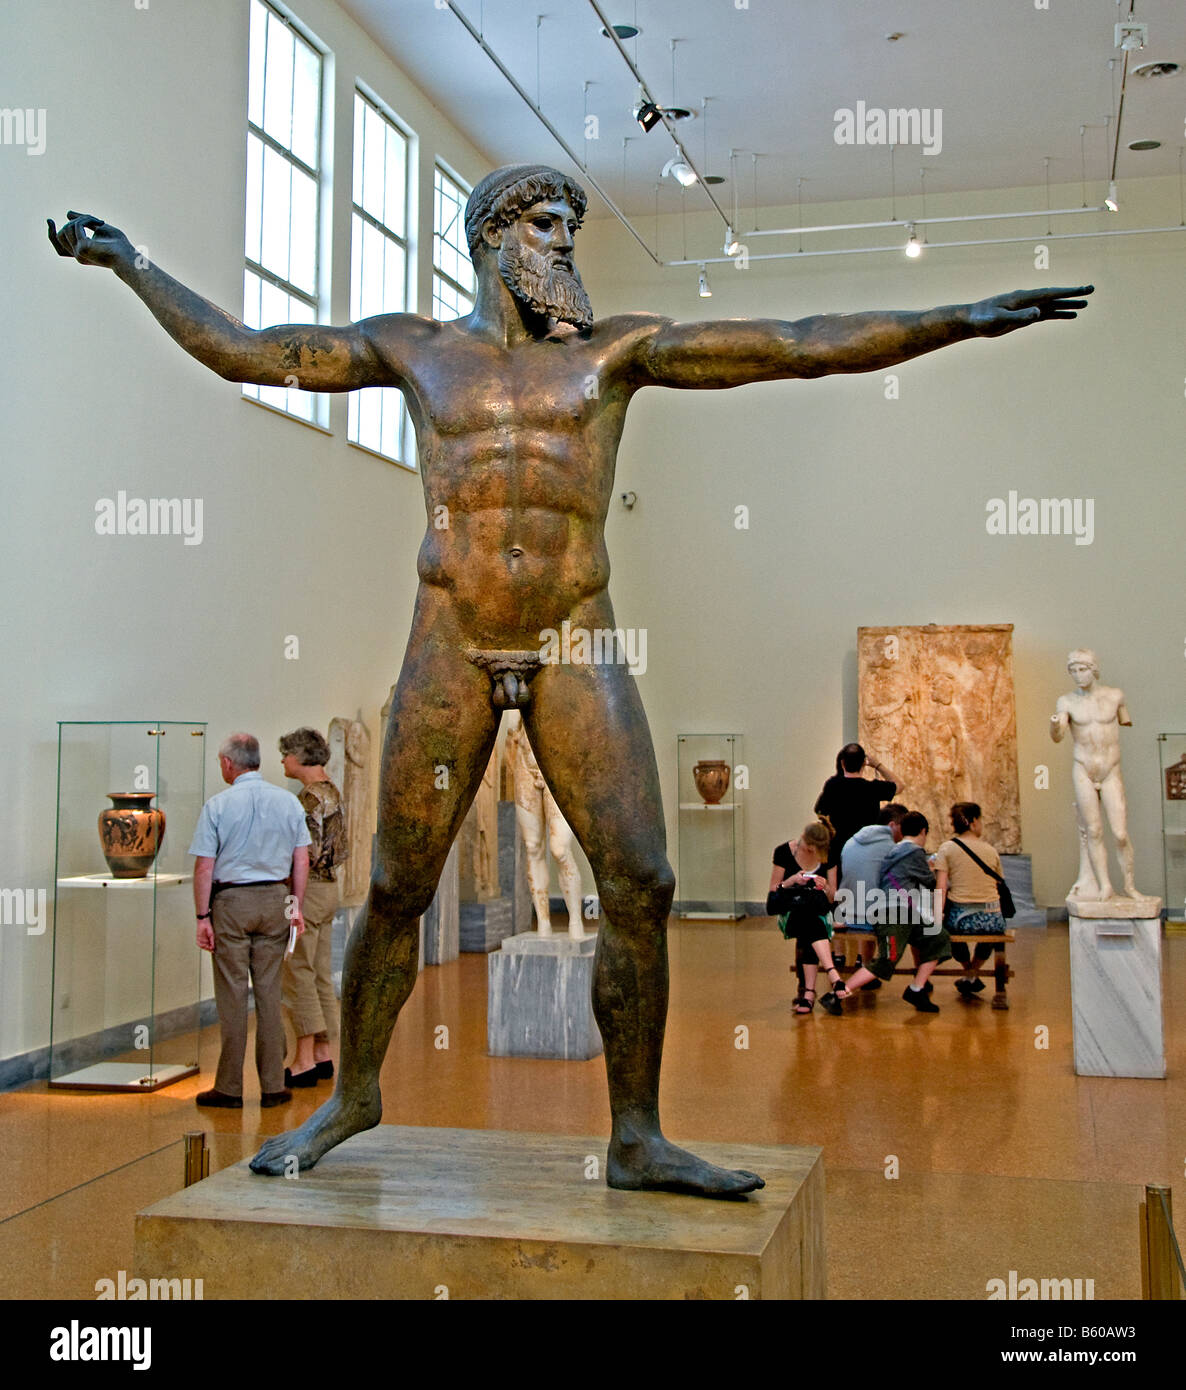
(251, 840)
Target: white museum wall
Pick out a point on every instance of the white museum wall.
(303, 534)
(866, 511)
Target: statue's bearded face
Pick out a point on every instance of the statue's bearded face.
(535, 262)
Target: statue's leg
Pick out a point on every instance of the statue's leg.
(1085, 886)
(590, 735)
(1116, 809)
(529, 812)
(560, 845)
(1089, 809)
(439, 736)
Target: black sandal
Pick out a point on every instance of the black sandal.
(839, 989)
(807, 1004)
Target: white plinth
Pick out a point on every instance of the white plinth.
(152, 880)
(1116, 996)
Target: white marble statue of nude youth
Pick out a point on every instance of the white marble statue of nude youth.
(1094, 714)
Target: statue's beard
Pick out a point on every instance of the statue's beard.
(544, 287)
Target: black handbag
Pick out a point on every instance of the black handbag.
(1007, 906)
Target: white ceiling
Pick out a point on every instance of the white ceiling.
(1014, 83)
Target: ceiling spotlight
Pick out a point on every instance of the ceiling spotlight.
(714, 178)
(1112, 201)
(732, 245)
(705, 287)
(1144, 144)
(1157, 69)
(624, 31)
(677, 169)
(913, 245)
(648, 115)
(1131, 35)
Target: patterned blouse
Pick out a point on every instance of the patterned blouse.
(326, 818)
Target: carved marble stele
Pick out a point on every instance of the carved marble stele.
(1094, 714)
(349, 771)
(543, 828)
(478, 840)
(936, 705)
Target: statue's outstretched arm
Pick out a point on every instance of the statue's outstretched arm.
(731, 352)
(306, 355)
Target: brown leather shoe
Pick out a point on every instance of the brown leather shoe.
(270, 1098)
(219, 1098)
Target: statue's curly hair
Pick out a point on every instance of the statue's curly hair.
(506, 193)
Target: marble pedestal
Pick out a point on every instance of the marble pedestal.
(512, 868)
(485, 923)
(403, 1213)
(442, 922)
(540, 998)
(1116, 987)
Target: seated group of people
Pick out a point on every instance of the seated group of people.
(864, 865)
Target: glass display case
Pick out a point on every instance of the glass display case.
(126, 991)
(1172, 748)
(710, 781)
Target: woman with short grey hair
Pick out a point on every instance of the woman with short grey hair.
(308, 987)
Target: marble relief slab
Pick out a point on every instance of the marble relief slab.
(937, 706)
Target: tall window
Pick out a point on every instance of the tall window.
(453, 283)
(379, 266)
(283, 190)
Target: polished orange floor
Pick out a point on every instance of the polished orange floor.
(956, 1146)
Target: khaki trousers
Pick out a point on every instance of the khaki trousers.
(250, 936)
(308, 986)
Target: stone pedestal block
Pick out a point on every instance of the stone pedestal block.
(512, 869)
(483, 925)
(486, 922)
(540, 1001)
(442, 921)
(1116, 991)
(404, 1213)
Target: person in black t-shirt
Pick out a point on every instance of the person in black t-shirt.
(849, 800)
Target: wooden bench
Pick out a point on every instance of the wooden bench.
(864, 943)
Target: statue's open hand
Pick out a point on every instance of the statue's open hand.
(90, 240)
(1018, 309)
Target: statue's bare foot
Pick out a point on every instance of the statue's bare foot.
(336, 1120)
(653, 1164)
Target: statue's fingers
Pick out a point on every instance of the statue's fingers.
(55, 239)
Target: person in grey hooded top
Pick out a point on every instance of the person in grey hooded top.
(861, 861)
(905, 915)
